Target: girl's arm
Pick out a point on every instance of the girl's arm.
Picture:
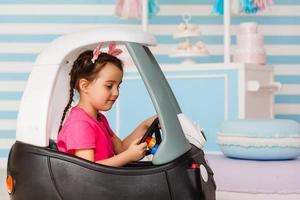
(135, 152)
(138, 132)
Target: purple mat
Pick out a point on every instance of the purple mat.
(234, 175)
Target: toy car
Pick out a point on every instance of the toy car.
(36, 170)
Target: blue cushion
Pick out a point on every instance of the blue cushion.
(260, 139)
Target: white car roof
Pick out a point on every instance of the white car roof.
(45, 94)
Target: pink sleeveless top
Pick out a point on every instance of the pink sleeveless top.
(81, 131)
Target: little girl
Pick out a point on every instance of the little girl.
(86, 133)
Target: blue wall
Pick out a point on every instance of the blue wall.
(27, 26)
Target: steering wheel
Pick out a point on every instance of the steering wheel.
(152, 142)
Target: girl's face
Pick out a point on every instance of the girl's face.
(102, 92)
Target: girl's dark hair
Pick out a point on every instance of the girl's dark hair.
(83, 67)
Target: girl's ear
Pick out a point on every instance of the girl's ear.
(83, 85)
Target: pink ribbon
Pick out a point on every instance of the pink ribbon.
(97, 52)
(112, 50)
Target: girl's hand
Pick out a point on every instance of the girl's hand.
(136, 151)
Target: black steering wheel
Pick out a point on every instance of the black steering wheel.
(152, 143)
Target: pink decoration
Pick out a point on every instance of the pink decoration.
(129, 9)
(112, 50)
(262, 4)
(97, 52)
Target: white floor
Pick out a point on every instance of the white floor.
(3, 192)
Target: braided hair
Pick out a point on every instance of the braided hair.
(84, 68)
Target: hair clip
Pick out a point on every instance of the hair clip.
(112, 50)
(97, 52)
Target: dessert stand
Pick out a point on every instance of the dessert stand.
(186, 50)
